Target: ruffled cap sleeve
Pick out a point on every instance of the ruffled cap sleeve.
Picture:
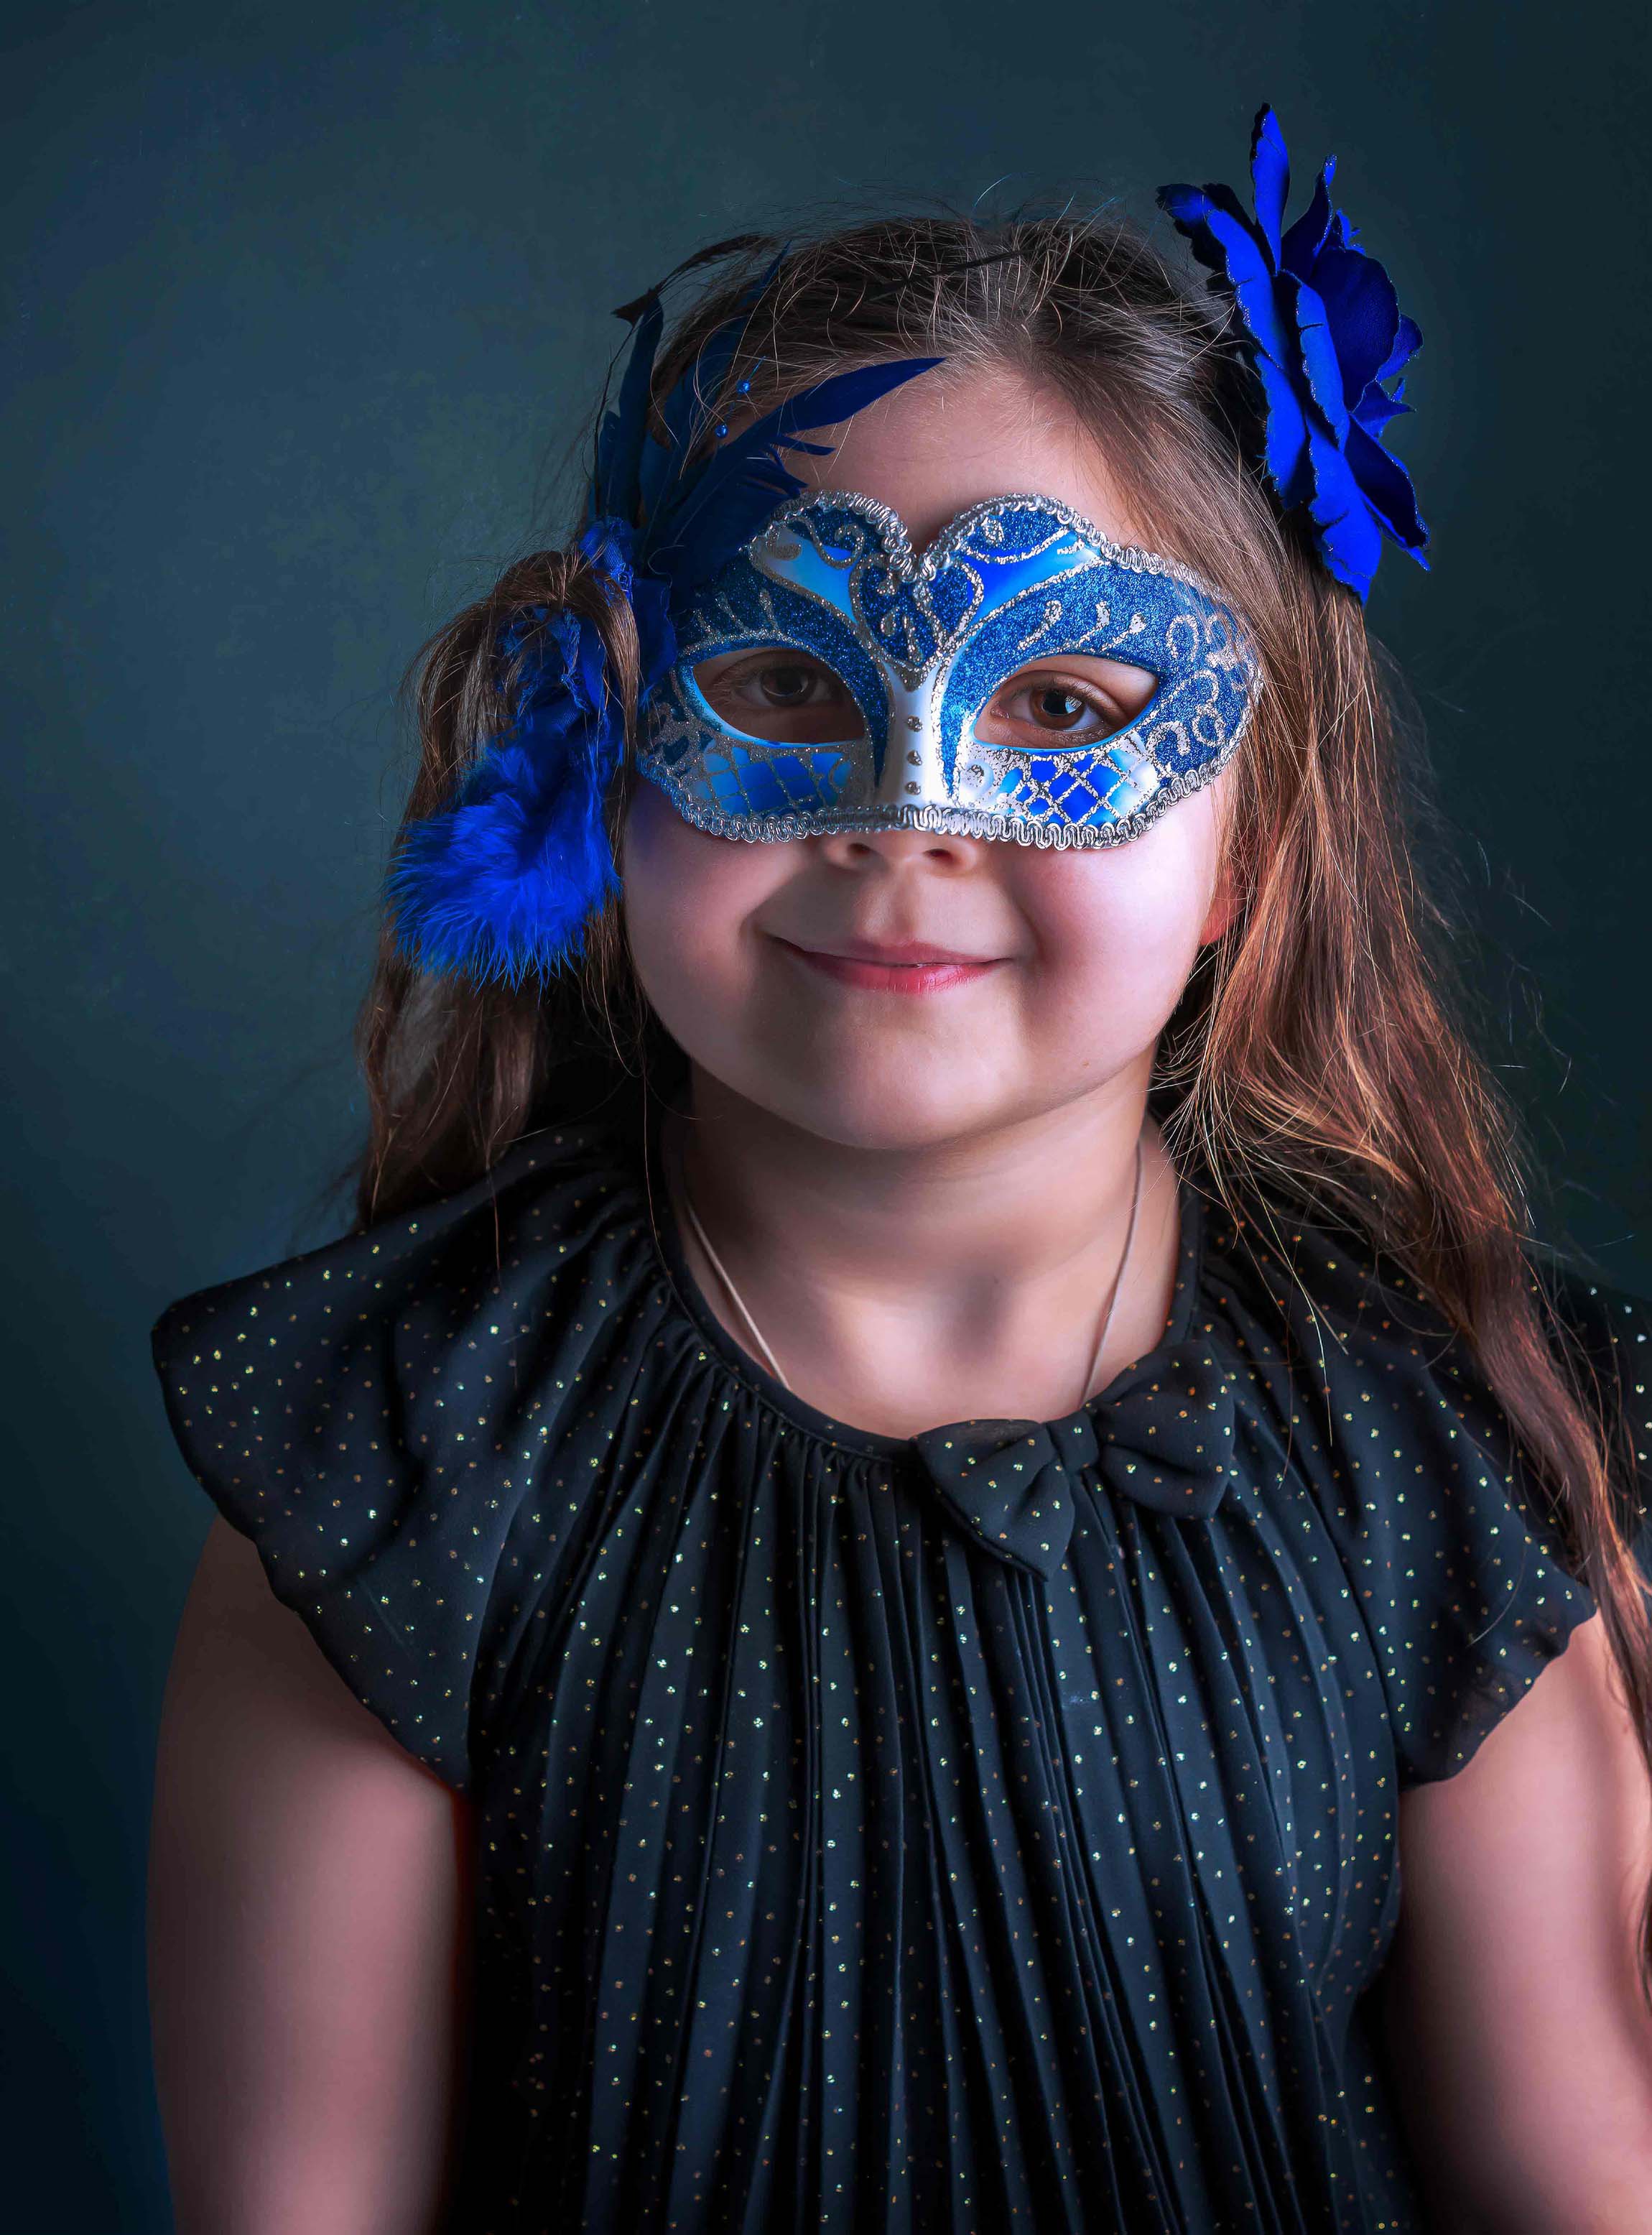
(381, 1417)
(1456, 1557)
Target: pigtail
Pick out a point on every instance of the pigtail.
(456, 1060)
(461, 673)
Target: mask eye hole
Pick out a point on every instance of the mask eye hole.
(780, 694)
(1066, 703)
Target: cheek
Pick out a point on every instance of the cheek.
(1118, 927)
(689, 898)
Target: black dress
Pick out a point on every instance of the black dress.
(995, 1830)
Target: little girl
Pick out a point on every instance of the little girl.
(938, 1450)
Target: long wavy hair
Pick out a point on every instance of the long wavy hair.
(1314, 1055)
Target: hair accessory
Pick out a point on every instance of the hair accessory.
(1326, 336)
(505, 881)
(697, 506)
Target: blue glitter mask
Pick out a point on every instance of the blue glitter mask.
(921, 646)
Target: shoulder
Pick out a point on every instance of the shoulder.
(1350, 1363)
(486, 1269)
(1611, 1325)
(1376, 1433)
(1332, 1321)
(403, 1421)
(553, 1186)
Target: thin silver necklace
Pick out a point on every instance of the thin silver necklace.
(773, 1363)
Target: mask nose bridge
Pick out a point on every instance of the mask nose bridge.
(912, 774)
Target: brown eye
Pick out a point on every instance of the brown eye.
(1053, 708)
(1049, 707)
(786, 686)
(1082, 704)
(785, 697)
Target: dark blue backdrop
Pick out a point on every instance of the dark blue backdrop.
(303, 306)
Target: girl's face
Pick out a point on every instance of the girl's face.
(899, 989)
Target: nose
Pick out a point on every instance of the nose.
(946, 852)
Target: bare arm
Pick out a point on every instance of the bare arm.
(308, 1921)
(1521, 2048)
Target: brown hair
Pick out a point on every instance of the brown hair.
(1313, 1057)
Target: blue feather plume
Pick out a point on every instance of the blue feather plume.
(720, 503)
(631, 468)
(616, 486)
(696, 506)
(507, 882)
(506, 879)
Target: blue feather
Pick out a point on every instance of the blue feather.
(616, 485)
(506, 879)
(715, 359)
(696, 508)
(684, 411)
(723, 502)
(622, 440)
(507, 882)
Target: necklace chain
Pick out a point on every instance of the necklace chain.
(773, 1363)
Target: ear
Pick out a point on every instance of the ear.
(1225, 903)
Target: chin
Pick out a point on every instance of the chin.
(900, 1106)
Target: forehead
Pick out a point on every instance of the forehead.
(938, 446)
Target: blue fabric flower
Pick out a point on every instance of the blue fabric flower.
(506, 879)
(1328, 338)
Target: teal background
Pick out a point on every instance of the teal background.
(304, 307)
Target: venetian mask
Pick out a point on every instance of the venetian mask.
(901, 659)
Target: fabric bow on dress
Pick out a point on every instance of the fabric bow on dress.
(1164, 1438)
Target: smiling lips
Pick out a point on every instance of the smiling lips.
(909, 968)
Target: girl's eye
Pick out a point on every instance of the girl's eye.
(788, 686)
(1056, 709)
(786, 697)
(1065, 709)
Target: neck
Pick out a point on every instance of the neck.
(899, 1288)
